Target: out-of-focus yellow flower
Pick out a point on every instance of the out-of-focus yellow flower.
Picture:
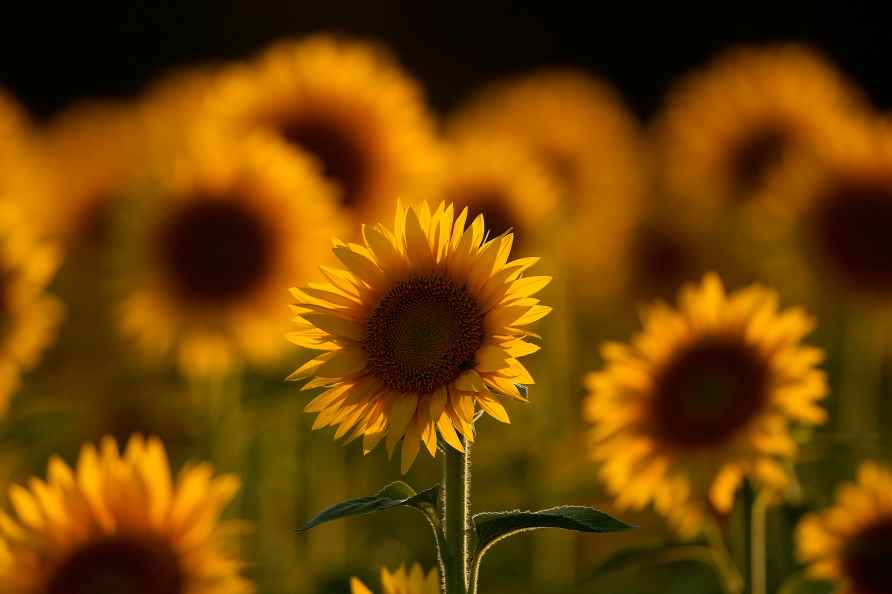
(402, 582)
(505, 182)
(210, 253)
(741, 132)
(91, 156)
(426, 324)
(843, 224)
(348, 105)
(850, 542)
(29, 316)
(580, 128)
(701, 399)
(22, 177)
(119, 523)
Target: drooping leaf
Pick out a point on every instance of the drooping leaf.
(396, 494)
(492, 527)
(636, 557)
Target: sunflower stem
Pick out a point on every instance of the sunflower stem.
(456, 508)
(728, 572)
(862, 380)
(758, 543)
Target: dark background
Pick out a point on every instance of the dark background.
(53, 53)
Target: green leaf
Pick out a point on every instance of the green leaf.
(636, 557)
(396, 494)
(801, 583)
(492, 527)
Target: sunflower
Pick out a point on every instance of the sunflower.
(701, 399)
(426, 323)
(851, 542)
(347, 104)
(845, 220)
(582, 130)
(215, 246)
(119, 523)
(29, 316)
(740, 133)
(402, 582)
(504, 181)
(91, 153)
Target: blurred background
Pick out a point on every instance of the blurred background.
(55, 61)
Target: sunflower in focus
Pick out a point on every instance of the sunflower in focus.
(505, 182)
(29, 316)
(118, 522)
(92, 152)
(349, 106)
(402, 582)
(851, 542)
(703, 398)
(580, 128)
(211, 251)
(741, 133)
(426, 323)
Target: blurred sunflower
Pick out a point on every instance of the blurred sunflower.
(741, 132)
(92, 154)
(844, 224)
(426, 323)
(505, 182)
(851, 542)
(210, 253)
(348, 105)
(701, 399)
(21, 174)
(29, 317)
(118, 523)
(582, 130)
(402, 582)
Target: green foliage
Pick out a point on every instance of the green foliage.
(396, 494)
(491, 527)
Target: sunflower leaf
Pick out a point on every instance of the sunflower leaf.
(492, 527)
(396, 494)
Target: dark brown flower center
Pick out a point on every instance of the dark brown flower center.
(662, 261)
(867, 559)
(852, 229)
(120, 564)
(423, 334)
(708, 391)
(215, 250)
(490, 203)
(337, 149)
(754, 158)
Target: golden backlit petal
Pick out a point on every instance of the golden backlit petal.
(493, 408)
(411, 446)
(343, 363)
(470, 381)
(492, 358)
(337, 326)
(360, 265)
(447, 430)
(357, 587)
(401, 412)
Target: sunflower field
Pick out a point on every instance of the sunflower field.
(280, 322)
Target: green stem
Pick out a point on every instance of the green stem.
(457, 519)
(758, 543)
(862, 378)
(724, 564)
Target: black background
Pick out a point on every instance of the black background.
(52, 54)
